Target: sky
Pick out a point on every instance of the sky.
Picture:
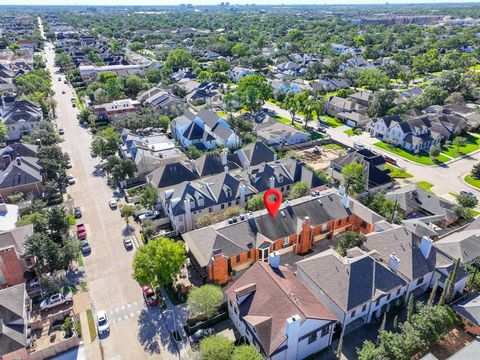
(214, 2)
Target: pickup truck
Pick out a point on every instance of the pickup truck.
(81, 231)
(55, 300)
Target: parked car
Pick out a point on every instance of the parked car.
(65, 81)
(149, 215)
(74, 105)
(81, 232)
(55, 300)
(85, 246)
(71, 179)
(69, 164)
(78, 213)
(34, 282)
(469, 193)
(200, 334)
(63, 91)
(149, 296)
(127, 242)
(112, 203)
(59, 78)
(61, 131)
(102, 323)
(389, 160)
(358, 146)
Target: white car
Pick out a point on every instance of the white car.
(71, 179)
(102, 323)
(150, 215)
(112, 203)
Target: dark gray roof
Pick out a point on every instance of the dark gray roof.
(211, 164)
(15, 238)
(470, 309)
(406, 247)
(463, 245)
(23, 110)
(13, 319)
(22, 171)
(171, 174)
(258, 153)
(209, 117)
(350, 282)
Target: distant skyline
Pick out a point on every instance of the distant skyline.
(215, 2)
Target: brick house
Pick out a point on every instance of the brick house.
(219, 251)
(13, 263)
(469, 312)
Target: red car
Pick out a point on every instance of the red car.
(149, 296)
(81, 231)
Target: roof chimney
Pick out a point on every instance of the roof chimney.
(274, 259)
(393, 263)
(426, 246)
(19, 161)
(223, 156)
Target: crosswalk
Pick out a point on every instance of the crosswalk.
(125, 312)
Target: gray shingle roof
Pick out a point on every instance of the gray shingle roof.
(463, 245)
(21, 171)
(13, 319)
(470, 309)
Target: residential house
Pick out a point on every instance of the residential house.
(335, 105)
(8, 216)
(363, 98)
(416, 202)
(376, 177)
(149, 150)
(415, 259)
(274, 133)
(13, 262)
(21, 174)
(469, 312)
(277, 314)
(463, 245)
(204, 130)
(15, 308)
(356, 288)
(21, 118)
(238, 72)
(219, 251)
(161, 101)
(207, 92)
(285, 87)
(116, 109)
(354, 119)
(91, 72)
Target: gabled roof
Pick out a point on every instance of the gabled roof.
(350, 282)
(258, 153)
(470, 309)
(211, 164)
(15, 238)
(22, 171)
(274, 295)
(463, 245)
(13, 319)
(171, 174)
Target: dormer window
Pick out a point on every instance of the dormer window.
(280, 178)
(200, 200)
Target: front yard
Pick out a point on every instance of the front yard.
(473, 145)
(425, 185)
(472, 181)
(422, 158)
(331, 121)
(397, 173)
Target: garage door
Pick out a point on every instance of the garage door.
(351, 123)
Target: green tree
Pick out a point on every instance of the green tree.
(240, 50)
(119, 168)
(246, 352)
(255, 203)
(370, 352)
(178, 58)
(114, 89)
(53, 161)
(3, 132)
(462, 212)
(133, 85)
(476, 171)
(382, 102)
(433, 293)
(58, 223)
(193, 152)
(467, 200)
(353, 178)
(373, 79)
(459, 142)
(158, 262)
(63, 60)
(291, 103)
(126, 211)
(45, 133)
(434, 151)
(216, 347)
(450, 292)
(205, 300)
(149, 197)
(348, 240)
(410, 307)
(298, 190)
(105, 142)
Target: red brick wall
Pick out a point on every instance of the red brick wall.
(218, 270)
(11, 266)
(305, 241)
(35, 189)
(469, 327)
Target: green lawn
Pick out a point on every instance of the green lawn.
(474, 212)
(80, 104)
(353, 132)
(222, 114)
(91, 325)
(425, 185)
(331, 121)
(472, 181)
(420, 159)
(80, 260)
(332, 147)
(397, 173)
(286, 121)
(473, 145)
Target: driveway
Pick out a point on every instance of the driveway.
(108, 268)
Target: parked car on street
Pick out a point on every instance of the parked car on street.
(113, 204)
(200, 334)
(81, 232)
(78, 213)
(85, 246)
(69, 164)
(149, 296)
(71, 179)
(55, 300)
(102, 323)
(127, 242)
(469, 193)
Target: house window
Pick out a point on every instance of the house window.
(364, 307)
(324, 227)
(353, 314)
(249, 254)
(286, 241)
(388, 297)
(238, 258)
(229, 203)
(288, 187)
(325, 331)
(222, 206)
(377, 302)
(200, 201)
(263, 253)
(312, 337)
(210, 210)
(398, 291)
(420, 281)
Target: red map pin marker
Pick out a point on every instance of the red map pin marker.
(272, 206)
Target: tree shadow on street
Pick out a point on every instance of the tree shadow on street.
(150, 327)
